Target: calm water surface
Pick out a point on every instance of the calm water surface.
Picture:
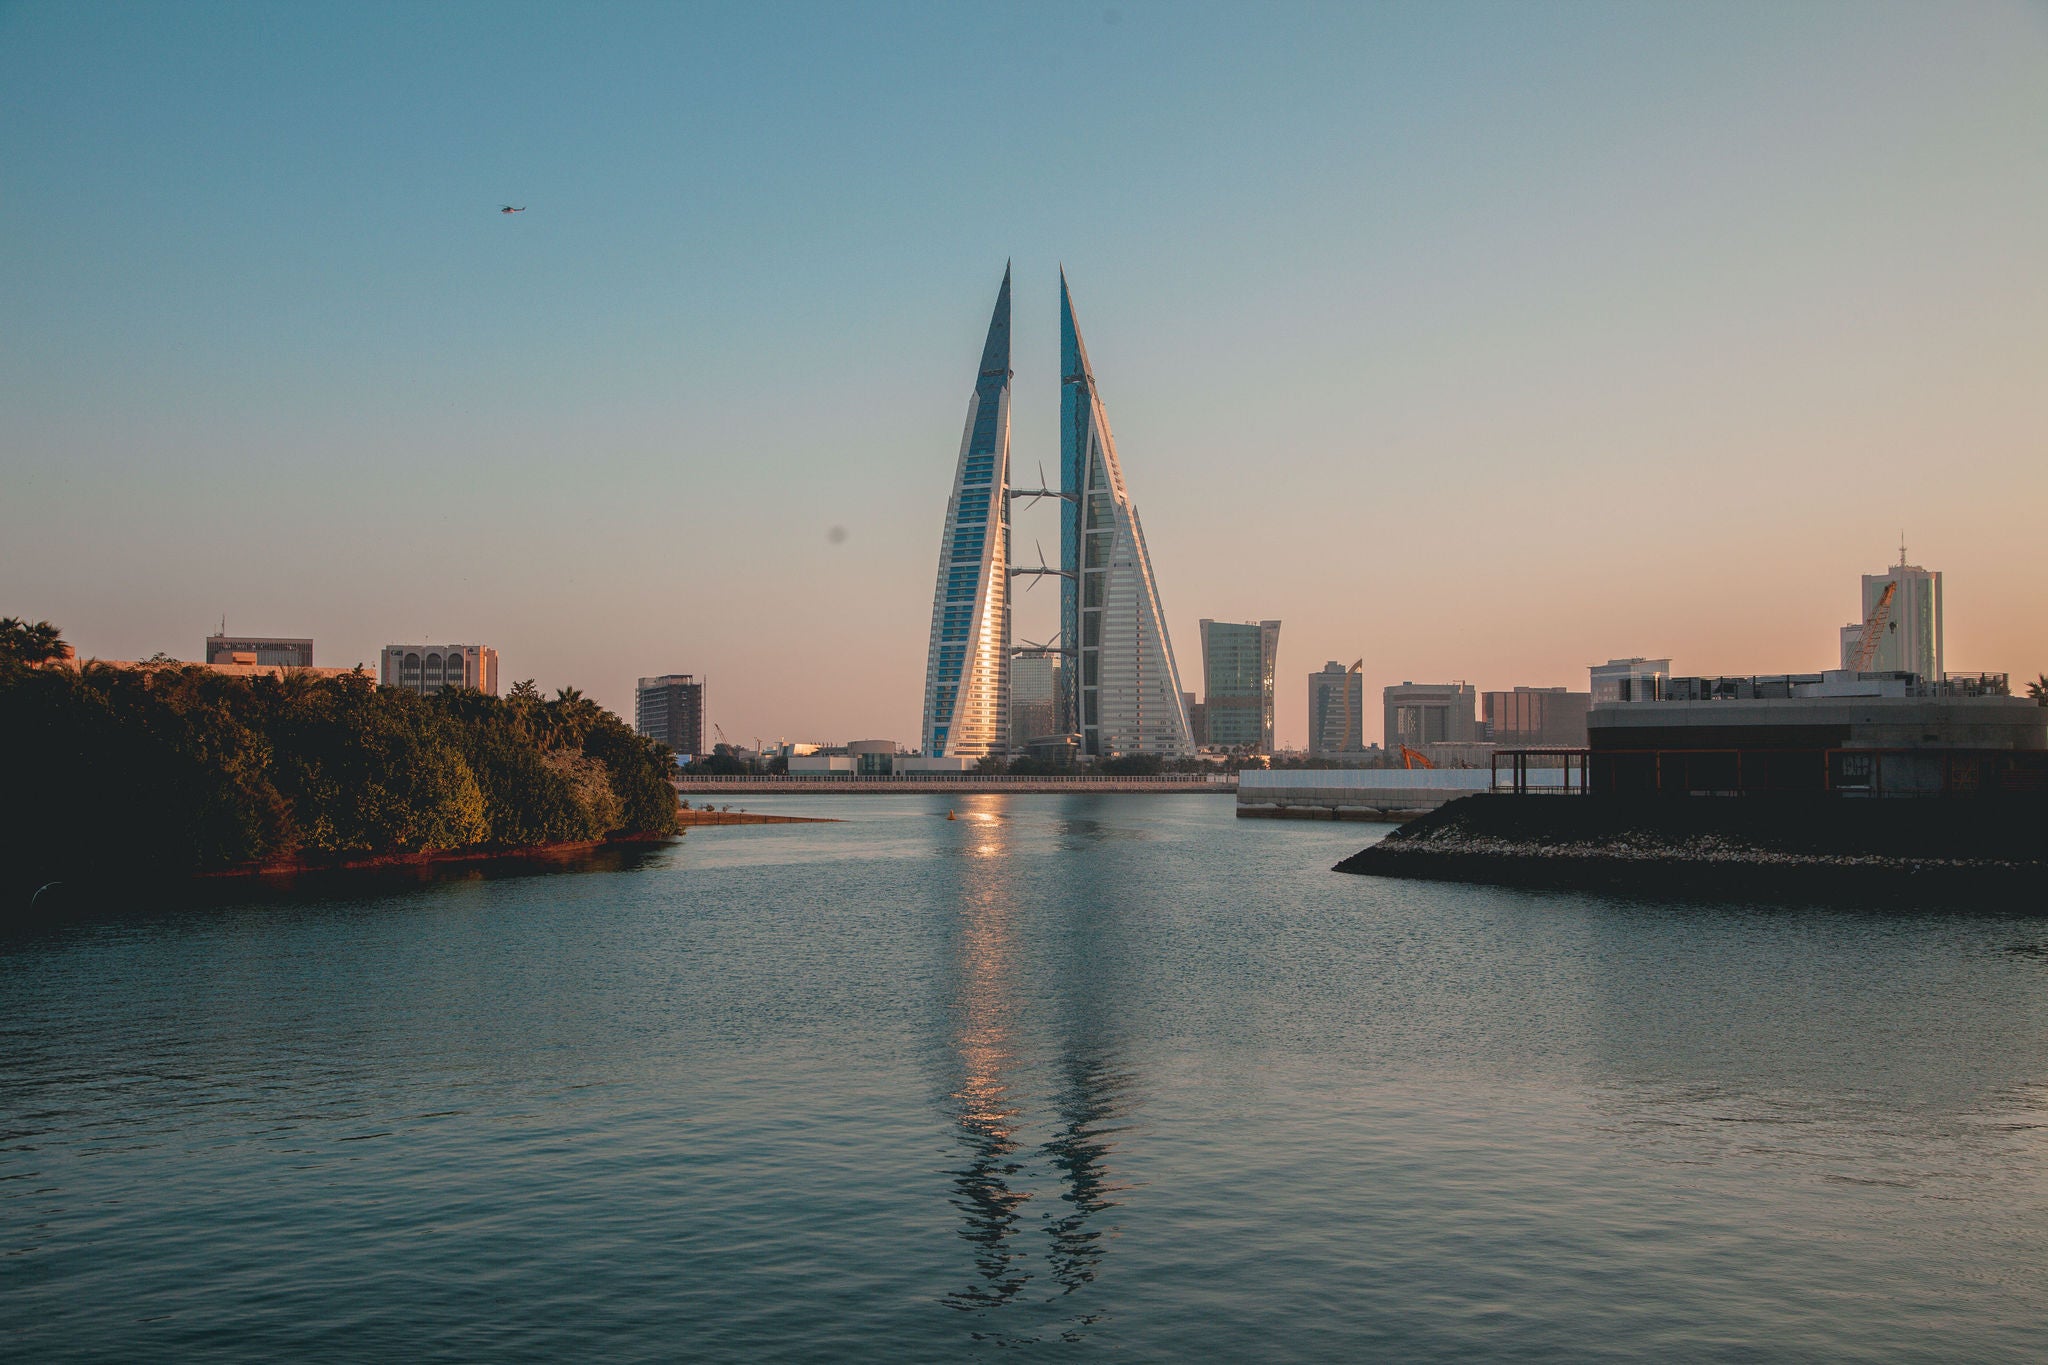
(1074, 1075)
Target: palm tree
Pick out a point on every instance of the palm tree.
(22, 643)
(2038, 689)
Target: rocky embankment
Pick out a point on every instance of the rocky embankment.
(1821, 848)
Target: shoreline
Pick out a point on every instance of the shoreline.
(1902, 852)
(564, 852)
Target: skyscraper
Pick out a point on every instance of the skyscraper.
(1123, 694)
(966, 688)
(1909, 637)
(670, 709)
(1238, 669)
(1336, 711)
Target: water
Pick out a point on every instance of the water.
(1076, 1075)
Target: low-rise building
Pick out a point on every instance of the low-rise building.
(1633, 679)
(279, 650)
(1877, 734)
(1430, 713)
(427, 669)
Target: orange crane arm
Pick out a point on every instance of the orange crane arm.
(1873, 629)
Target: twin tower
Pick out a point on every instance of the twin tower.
(1119, 690)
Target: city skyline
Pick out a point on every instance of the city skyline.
(1505, 344)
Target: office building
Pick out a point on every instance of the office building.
(271, 650)
(1336, 711)
(670, 709)
(1034, 699)
(1909, 630)
(1431, 713)
(427, 669)
(1239, 663)
(1536, 717)
(1124, 692)
(1634, 679)
(966, 688)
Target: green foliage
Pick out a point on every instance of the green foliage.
(22, 643)
(2038, 690)
(1133, 765)
(176, 769)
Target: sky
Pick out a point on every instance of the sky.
(1481, 342)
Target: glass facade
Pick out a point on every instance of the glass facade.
(1239, 663)
(966, 690)
(1124, 697)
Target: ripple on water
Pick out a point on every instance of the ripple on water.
(1116, 1074)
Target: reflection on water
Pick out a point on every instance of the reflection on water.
(1079, 1151)
(994, 1049)
(1124, 1070)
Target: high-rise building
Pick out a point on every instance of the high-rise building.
(1124, 691)
(275, 650)
(427, 669)
(670, 709)
(1632, 679)
(1431, 713)
(1034, 699)
(1536, 717)
(1909, 636)
(1239, 662)
(966, 687)
(1336, 711)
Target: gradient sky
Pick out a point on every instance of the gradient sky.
(1485, 342)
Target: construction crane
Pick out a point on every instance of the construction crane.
(1411, 759)
(1874, 629)
(720, 730)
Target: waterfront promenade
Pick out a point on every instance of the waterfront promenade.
(839, 784)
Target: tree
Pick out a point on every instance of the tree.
(2038, 690)
(22, 643)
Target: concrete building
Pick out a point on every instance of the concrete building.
(1419, 714)
(1336, 711)
(1536, 717)
(280, 651)
(427, 669)
(670, 709)
(1034, 699)
(1869, 734)
(1633, 679)
(1909, 636)
(875, 758)
(239, 664)
(1239, 668)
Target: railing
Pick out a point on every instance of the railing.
(1576, 779)
(1816, 771)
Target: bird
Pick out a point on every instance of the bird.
(509, 209)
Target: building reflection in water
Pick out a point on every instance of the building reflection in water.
(991, 1046)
